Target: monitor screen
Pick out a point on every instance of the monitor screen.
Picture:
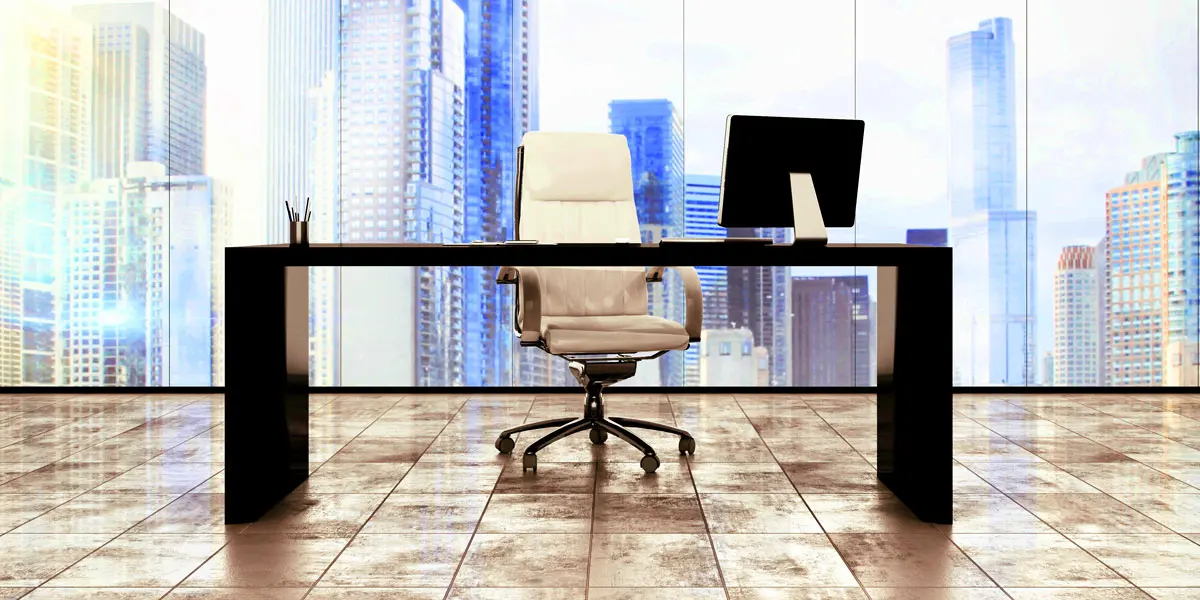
(761, 153)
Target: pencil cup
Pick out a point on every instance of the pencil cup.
(299, 233)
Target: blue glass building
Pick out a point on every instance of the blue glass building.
(655, 136)
(1183, 235)
(500, 91)
(992, 235)
(701, 197)
(927, 237)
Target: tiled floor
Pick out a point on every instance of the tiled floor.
(1057, 497)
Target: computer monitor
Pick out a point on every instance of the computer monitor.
(790, 172)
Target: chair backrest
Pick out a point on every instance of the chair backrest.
(578, 188)
(575, 187)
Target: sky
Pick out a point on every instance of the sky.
(1100, 85)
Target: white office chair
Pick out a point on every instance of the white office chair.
(578, 188)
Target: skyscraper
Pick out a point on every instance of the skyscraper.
(144, 43)
(1183, 258)
(831, 320)
(403, 178)
(927, 237)
(500, 91)
(728, 357)
(655, 137)
(143, 291)
(46, 67)
(1077, 324)
(1136, 260)
(10, 286)
(759, 299)
(993, 237)
(302, 51)
(1103, 282)
(701, 197)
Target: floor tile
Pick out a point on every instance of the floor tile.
(864, 513)
(11, 471)
(96, 512)
(550, 478)
(190, 513)
(329, 514)
(629, 478)
(376, 594)
(354, 478)
(428, 513)
(656, 593)
(97, 594)
(908, 560)
(740, 478)
(1077, 594)
(1147, 560)
(648, 513)
(538, 513)
(268, 560)
(1179, 512)
(1127, 477)
(533, 560)
(796, 594)
(653, 560)
(397, 560)
(17, 509)
(967, 482)
(1030, 478)
(936, 594)
(449, 478)
(812, 449)
(758, 513)
(992, 513)
(237, 594)
(1188, 472)
(744, 450)
(518, 594)
(382, 450)
(1073, 449)
(834, 478)
(991, 449)
(1174, 593)
(1087, 513)
(135, 560)
(63, 477)
(1036, 560)
(780, 560)
(29, 560)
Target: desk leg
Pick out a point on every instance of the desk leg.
(915, 398)
(266, 387)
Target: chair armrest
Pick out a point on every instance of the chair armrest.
(527, 313)
(691, 289)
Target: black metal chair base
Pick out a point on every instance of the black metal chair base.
(599, 427)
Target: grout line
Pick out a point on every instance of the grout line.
(862, 588)
(463, 558)
(712, 544)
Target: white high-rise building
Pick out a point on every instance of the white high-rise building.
(1077, 325)
(149, 87)
(728, 357)
(45, 116)
(402, 179)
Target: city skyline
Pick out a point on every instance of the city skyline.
(698, 109)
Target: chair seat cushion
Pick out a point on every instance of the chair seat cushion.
(620, 334)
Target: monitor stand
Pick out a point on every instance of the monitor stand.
(809, 225)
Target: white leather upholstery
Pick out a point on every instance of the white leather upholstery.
(612, 334)
(578, 188)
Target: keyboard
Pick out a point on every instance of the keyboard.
(729, 240)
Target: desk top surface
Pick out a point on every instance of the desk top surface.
(610, 255)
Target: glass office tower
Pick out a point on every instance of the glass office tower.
(46, 66)
(175, 77)
(832, 322)
(403, 178)
(500, 59)
(993, 237)
(927, 237)
(1183, 263)
(702, 194)
(655, 136)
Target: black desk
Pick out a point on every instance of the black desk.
(266, 340)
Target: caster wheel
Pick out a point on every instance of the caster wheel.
(529, 461)
(687, 445)
(505, 444)
(598, 436)
(649, 463)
